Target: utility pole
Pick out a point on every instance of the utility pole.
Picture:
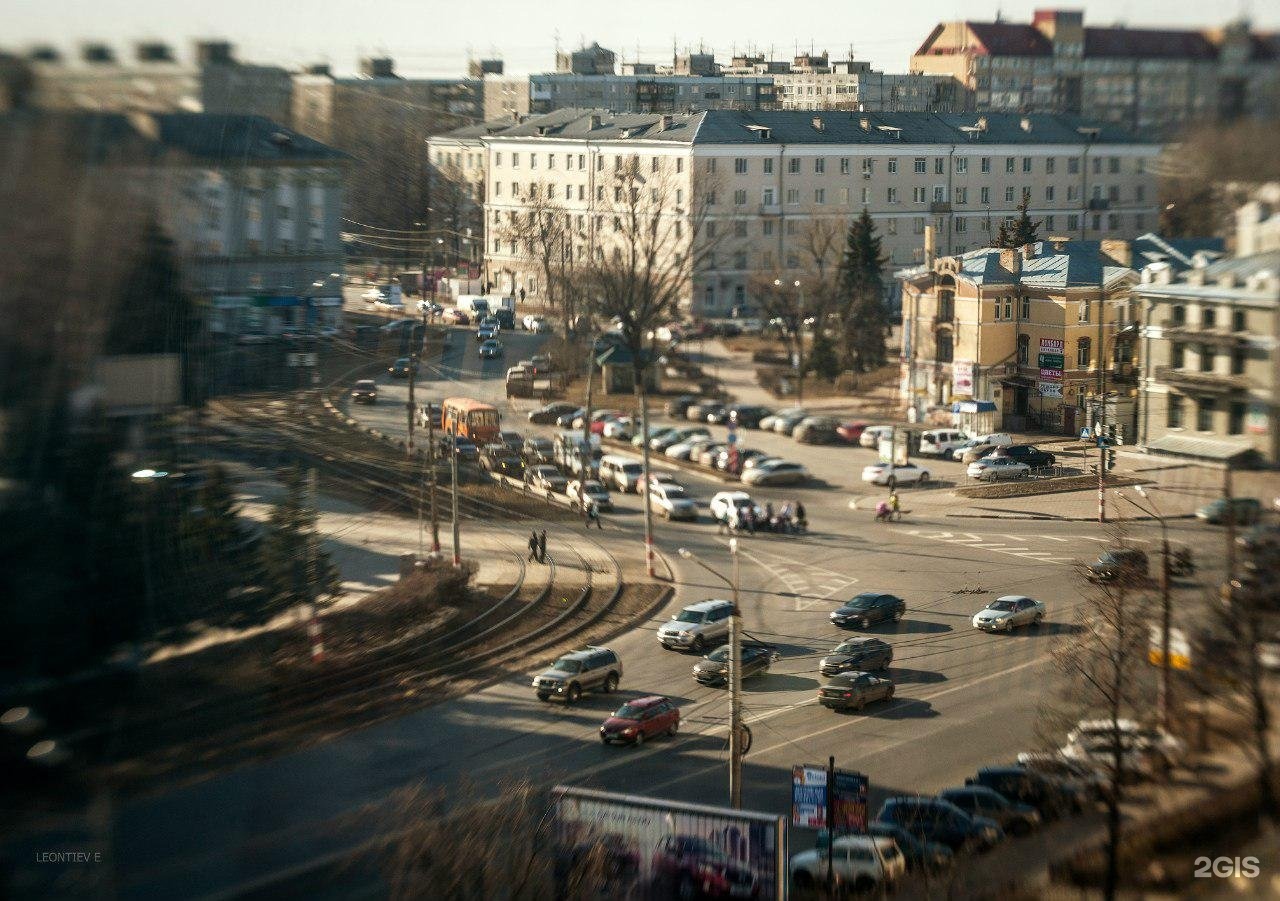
(831, 822)
(1166, 611)
(313, 621)
(457, 549)
(584, 453)
(431, 465)
(799, 343)
(410, 407)
(735, 689)
(1231, 534)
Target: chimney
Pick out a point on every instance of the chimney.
(864, 123)
(153, 52)
(665, 122)
(817, 123)
(594, 122)
(1118, 250)
(214, 53)
(1025, 124)
(929, 248)
(378, 67)
(1010, 260)
(97, 54)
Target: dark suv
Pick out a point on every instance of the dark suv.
(747, 416)
(1014, 817)
(687, 866)
(857, 654)
(935, 820)
(1052, 797)
(1122, 563)
(585, 669)
(1026, 453)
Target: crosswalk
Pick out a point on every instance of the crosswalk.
(1063, 550)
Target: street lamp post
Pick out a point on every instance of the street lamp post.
(799, 331)
(1166, 607)
(736, 729)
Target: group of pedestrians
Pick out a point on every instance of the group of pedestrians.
(538, 546)
(788, 520)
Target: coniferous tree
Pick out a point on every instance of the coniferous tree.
(294, 568)
(862, 308)
(1021, 231)
(823, 361)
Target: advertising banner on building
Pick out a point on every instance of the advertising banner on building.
(1050, 375)
(668, 849)
(1053, 346)
(962, 377)
(1051, 361)
(1049, 389)
(808, 796)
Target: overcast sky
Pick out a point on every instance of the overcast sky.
(434, 38)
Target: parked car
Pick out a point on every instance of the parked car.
(977, 447)
(729, 504)
(620, 472)
(671, 502)
(677, 435)
(598, 418)
(683, 450)
(640, 719)
(500, 459)
(1147, 751)
(776, 472)
(747, 416)
(546, 477)
(1246, 511)
(753, 458)
(541, 364)
(365, 391)
(1049, 796)
(661, 480)
(935, 820)
(429, 415)
(854, 690)
(872, 434)
(746, 458)
(785, 421)
(850, 432)
(551, 412)
(1005, 614)
(994, 468)
(539, 450)
(465, 448)
(589, 492)
(1014, 817)
(816, 430)
(707, 454)
(513, 440)
(566, 420)
(586, 669)
(688, 866)
(1025, 453)
(921, 856)
(540, 326)
(862, 862)
(892, 474)
(486, 331)
(940, 442)
(373, 295)
(619, 428)
(716, 414)
(654, 434)
(697, 626)
(1089, 777)
(857, 655)
(867, 609)
(678, 406)
(1123, 563)
(697, 412)
(713, 669)
(455, 317)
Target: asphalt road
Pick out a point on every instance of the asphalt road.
(964, 698)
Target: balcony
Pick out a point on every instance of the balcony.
(770, 209)
(1184, 331)
(940, 206)
(1099, 203)
(1206, 382)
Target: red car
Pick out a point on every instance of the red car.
(850, 431)
(639, 719)
(687, 866)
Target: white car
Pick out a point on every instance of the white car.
(995, 439)
(775, 472)
(993, 469)
(583, 493)
(1147, 751)
(872, 434)
(1006, 613)
(941, 442)
(539, 325)
(728, 503)
(373, 295)
(663, 479)
(621, 428)
(671, 502)
(683, 450)
(864, 862)
(892, 474)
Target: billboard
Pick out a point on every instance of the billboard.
(962, 377)
(808, 796)
(849, 806)
(664, 849)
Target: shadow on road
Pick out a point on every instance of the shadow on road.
(908, 709)
(903, 675)
(779, 682)
(911, 627)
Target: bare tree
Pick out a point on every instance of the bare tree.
(650, 242)
(544, 239)
(456, 213)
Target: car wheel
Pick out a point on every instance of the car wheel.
(859, 704)
(639, 737)
(897, 615)
(866, 622)
(924, 477)
(1040, 618)
(889, 696)
(673, 728)
(699, 645)
(574, 693)
(542, 696)
(611, 684)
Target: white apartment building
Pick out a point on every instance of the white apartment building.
(768, 177)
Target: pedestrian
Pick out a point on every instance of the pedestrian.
(522, 295)
(542, 546)
(593, 516)
(749, 518)
(768, 516)
(802, 524)
(895, 506)
(533, 547)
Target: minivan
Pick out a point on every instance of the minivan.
(624, 473)
(941, 442)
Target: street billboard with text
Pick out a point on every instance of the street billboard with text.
(849, 806)
(654, 848)
(962, 377)
(808, 796)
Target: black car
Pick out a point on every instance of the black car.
(857, 654)
(1119, 564)
(678, 406)
(1026, 453)
(1052, 797)
(713, 669)
(747, 416)
(513, 440)
(538, 450)
(401, 368)
(869, 608)
(467, 449)
(500, 459)
(565, 420)
(365, 391)
(935, 820)
(854, 691)
(921, 856)
(506, 319)
(1014, 817)
(548, 414)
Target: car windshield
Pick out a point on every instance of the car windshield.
(862, 600)
(672, 491)
(1002, 605)
(849, 647)
(689, 616)
(568, 665)
(365, 383)
(632, 711)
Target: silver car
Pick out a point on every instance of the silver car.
(1007, 613)
(697, 626)
(586, 669)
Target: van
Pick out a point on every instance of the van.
(623, 473)
(941, 442)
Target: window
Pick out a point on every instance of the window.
(1073, 165)
(1174, 411)
(740, 228)
(793, 195)
(1237, 321)
(1207, 358)
(740, 166)
(893, 166)
(984, 196)
(1026, 308)
(945, 351)
(1009, 164)
(939, 193)
(845, 196)
(740, 197)
(582, 162)
(1235, 422)
(710, 229)
(679, 195)
(1050, 164)
(1179, 315)
(1073, 222)
(793, 166)
(791, 226)
(1073, 193)
(1209, 317)
(892, 195)
(866, 196)
(985, 165)
(680, 164)
(515, 161)
(1177, 355)
(497, 158)
(739, 260)
(1113, 193)
(962, 195)
(711, 198)
(868, 167)
(1140, 193)
(793, 262)
(568, 192)
(711, 165)
(820, 165)
(766, 228)
(1237, 361)
(766, 257)
(766, 198)
(497, 189)
(917, 225)
(1048, 194)
(962, 224)
(1008, 195)
(1026, 164)
(820, 196)
(962, 166)
(1113, 221)
(891, 227)
(1024, 348)
(1096, 224)
(920, 165)
(515, 189)
(582, 193)
(1205, 408)
(768, 166)
(617, 195)
(1097, 165)
(918, 194)
(1113, 164)
(1084, 311)
(599, 167)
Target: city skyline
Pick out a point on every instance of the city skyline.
(317, 31)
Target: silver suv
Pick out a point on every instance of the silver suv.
(698, 626)
(588, 668)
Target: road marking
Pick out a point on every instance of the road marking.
(798, 585)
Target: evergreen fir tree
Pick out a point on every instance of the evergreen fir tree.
(822, 360)
(294, 568)
(1021, 231)
(865, 319)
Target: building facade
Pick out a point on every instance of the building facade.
(1145, 79)
(1044, 336)
(649, 93)
(856, 86)
(153, 81)
(772, 180)
(228, 86)
(1211, 359)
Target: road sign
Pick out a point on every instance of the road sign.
(1085, 434)
(809, 796)
(1179, 648)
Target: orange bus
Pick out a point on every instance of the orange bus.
(469, 418)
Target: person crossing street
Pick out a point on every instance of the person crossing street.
(542, 546)
(533, 547)
(593, 516)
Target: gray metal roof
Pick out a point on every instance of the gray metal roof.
(717, 127)
(1245, 267)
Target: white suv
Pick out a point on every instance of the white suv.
(863, 862)
(698, 626)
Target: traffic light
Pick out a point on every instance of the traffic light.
(1108, 459)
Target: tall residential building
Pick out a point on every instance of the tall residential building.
(1145, 79)
(771, 180)
(649, 93)
(228, 86)
(1037, 337)
(1211, 359)
(855, 86)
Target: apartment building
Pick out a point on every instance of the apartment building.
(854, 85)
(1038, 337)
(229, 86)
(771, 178)
(1149, 80)
(648, 92)
(154, 80)
(1210, 346)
